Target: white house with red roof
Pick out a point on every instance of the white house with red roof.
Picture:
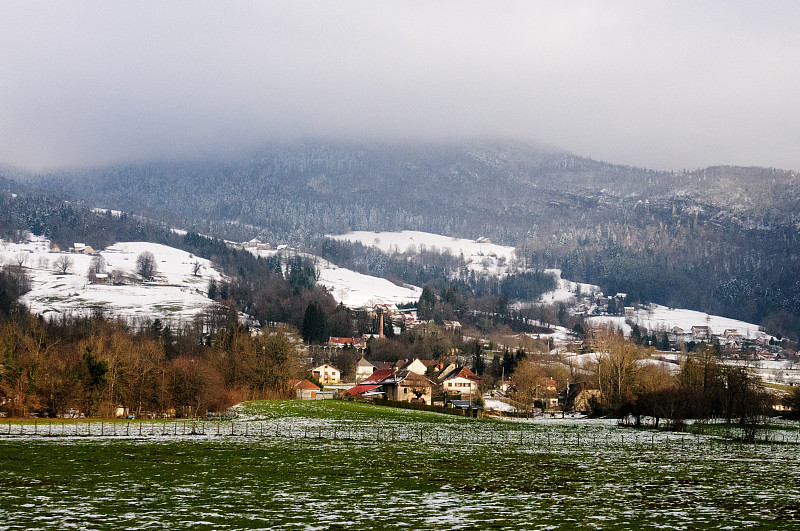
(460, 380)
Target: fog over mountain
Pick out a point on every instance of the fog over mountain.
(288, 121)
(722, 239)
(666, 85)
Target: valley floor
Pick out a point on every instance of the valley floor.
(340, 465)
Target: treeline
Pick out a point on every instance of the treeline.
(682, 256)
(100, 367)
(632, 386)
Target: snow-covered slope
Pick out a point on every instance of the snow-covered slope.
(179, 295)
(657, 318)
(567, 290)
(357, 290)
(480, 256)
(354, 290)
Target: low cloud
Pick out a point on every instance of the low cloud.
(667, 85)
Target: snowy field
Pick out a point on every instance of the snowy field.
(657, 317)
(611, 321)
(179, 295)
(356, 290)
(337, 465)
(481, 257)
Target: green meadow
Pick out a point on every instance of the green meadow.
(343, 465)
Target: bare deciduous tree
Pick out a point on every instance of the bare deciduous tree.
(63, 264)
(98, 264)
(146, 265)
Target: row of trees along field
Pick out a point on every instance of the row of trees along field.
(97, 365)
(629, 385)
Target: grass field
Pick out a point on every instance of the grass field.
(543, 475)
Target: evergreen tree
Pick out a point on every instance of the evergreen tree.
(315, 324)
(427, 302)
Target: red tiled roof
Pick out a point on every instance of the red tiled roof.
(363, 388)
(303, 384)
(463, 373)
(355, 341)
(378, 376)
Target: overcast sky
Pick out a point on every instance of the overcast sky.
(667, 85)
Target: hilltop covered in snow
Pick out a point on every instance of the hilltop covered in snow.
(481, 255)
(177, 294)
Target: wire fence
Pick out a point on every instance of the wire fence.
(543, 439)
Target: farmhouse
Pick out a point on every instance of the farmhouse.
(732, 334)
(701, 333)
(364, 370)
(453, 327)
(459, 381)
(327, 374)
(402, 385)
(408, 386)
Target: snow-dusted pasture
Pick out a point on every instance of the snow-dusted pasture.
(610, 321)
(481, 257)
(656, 317)
(660, 318)
(179, 295)
(335, 465)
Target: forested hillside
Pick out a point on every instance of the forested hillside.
(720, 239)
